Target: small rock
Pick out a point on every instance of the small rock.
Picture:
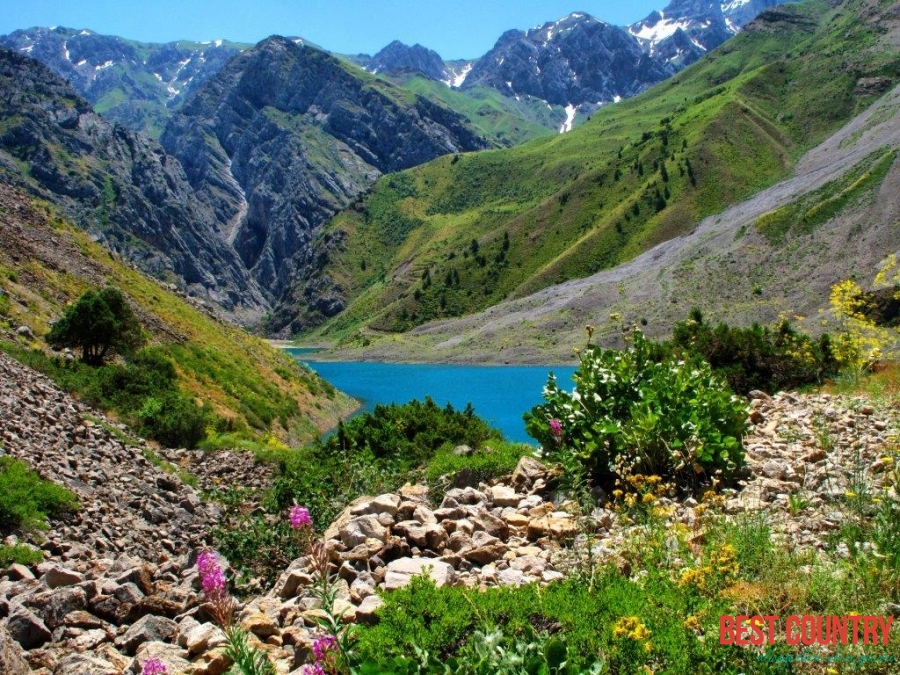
(146, 629)
(260, 625)
(399, 572)
(203, 638)
(365, 613)
(58, 576)
(26, 628)
(502, 495)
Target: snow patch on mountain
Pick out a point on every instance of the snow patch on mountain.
(569, 124)
(731, 6)
(458, 78)
(658, 31)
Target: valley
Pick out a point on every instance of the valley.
(276, 325)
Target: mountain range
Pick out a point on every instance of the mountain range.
(576, 61)
(284, 181)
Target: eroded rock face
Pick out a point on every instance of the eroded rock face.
(118, 185)
(281, 139)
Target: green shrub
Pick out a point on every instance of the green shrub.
(100, 323)
(756, 357)
(26, 500)
(21, 554)
(172, 419)
(636, 412)
(485, 464)
(409, 434)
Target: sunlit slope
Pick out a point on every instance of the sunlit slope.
(465, 232)
(46, 264)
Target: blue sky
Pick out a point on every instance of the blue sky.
(457, 29)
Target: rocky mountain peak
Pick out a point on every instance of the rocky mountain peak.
(398, 58)
(575, 60)
(131, 83)
(686, 29)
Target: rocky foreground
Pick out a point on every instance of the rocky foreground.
(119, 586)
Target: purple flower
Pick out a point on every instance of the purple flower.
(322, 646)
(154, 667)
(556, 429)
(300, 518)
(313, 669)
(212, 579)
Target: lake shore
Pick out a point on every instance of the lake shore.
(418, 353)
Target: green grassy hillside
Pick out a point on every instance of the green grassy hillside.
(255, 391)
(463, 233)
(503, 120)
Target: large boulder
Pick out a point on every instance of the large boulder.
(12, 657)
(26, 628)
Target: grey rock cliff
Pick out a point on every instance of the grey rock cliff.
(120, 186)
(285, 136)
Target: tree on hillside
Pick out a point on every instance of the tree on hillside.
(100, 323)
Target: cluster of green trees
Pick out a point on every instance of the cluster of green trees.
(116, 371)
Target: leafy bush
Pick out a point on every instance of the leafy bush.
(636, 412)
(24, 555)
(491, 461)
(26, 500)
(99, 323)
(756, 357)
(410, 434)
(172, 419)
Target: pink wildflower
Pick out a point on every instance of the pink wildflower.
(154, 667)
(556, 429)
(313, 669)
(300, 518)
(323, 646)
(212, 579)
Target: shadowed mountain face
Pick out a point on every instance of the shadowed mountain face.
(120, 186)
(134, 84)
(285, 136)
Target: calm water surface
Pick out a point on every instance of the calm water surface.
(500, 394)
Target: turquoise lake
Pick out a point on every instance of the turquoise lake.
(500, 394)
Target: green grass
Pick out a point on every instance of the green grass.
(636, 174)
(502, 120)
(26, 500)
